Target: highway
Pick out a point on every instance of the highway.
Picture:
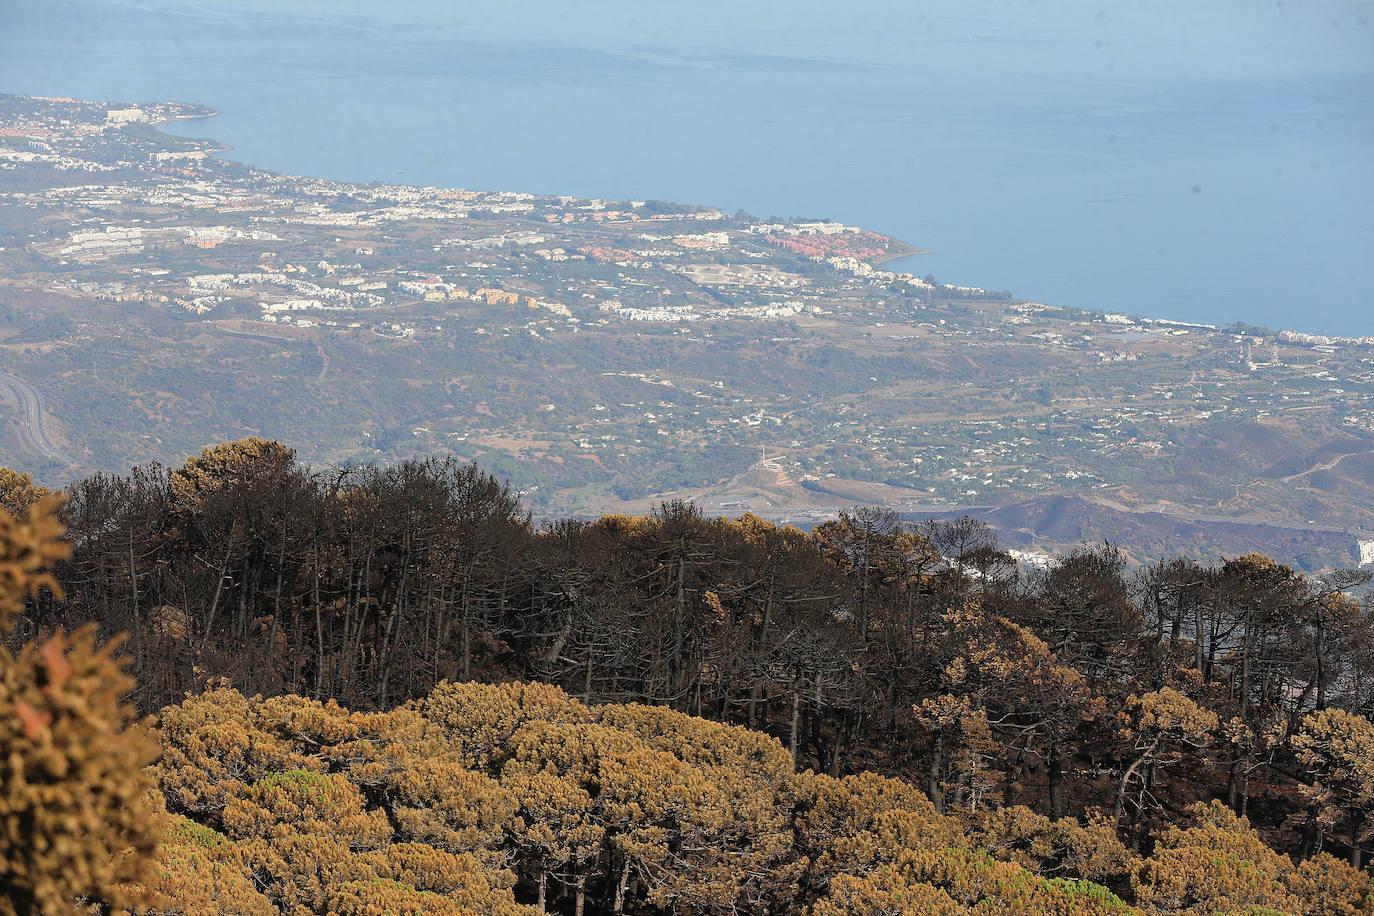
(31, 403)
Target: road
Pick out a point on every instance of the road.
(1325, 466)
(31, 403)
(281, 339)
(1169, 512)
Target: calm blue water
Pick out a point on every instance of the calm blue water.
(1207, 199)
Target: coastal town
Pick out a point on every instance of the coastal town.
(159, 295)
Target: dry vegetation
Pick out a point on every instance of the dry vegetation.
(515, 798)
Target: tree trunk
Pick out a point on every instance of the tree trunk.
(675, 657)
(842, 732)
(822, 751)
(319, 627)
(1245, 653)
(937, 754)
(1319, 651)
(587, 683)
(1197, 639)
(1233, 776)
(276, 600)
(756, 691)
(465, 628)
(245, 580)
(133, 585)
(1356, 852)
(620, 886)
(219, 586)
(1126, 780)
(796, 720)
(1055, 765)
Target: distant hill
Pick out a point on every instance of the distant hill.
(1064, 522)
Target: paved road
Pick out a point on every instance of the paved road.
(32, 405)
(1325, 466)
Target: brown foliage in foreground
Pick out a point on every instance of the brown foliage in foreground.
(75, 817)
(517, 799)
(868, 642)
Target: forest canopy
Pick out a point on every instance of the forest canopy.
(383, 690)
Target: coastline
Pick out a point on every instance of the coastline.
(908, 250)
(891, 261)
(217, 145)
(210, 113)
(1089, 339)
(911, 252)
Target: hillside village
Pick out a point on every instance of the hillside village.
(604, 354)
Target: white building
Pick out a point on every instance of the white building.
(126, 115)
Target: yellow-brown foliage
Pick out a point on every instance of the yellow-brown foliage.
(690, 842)
(884, 893)
(975, 879)
(227, 465)
(29, 544)
(443, 804)
(1329, 887)
(851, 825)
(305, 802)
(1056, 848)
(559, 832)
(481, 718)
(200, 870)
(1337, 748)
(299, 871)
(565, 749)
(1166, 713)
(212, 748)
(383, 897)
(949, 881)
(460, 877)
(1220, 865)
(309, 724)
(18, 492)
(75, 822)
(699, 741)
(423, 808)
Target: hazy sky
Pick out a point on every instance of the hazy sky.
(1242, 38)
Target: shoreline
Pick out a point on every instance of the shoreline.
(219, 146)
(190, 117)
(911, 251)
(877, 263)
(914, 252)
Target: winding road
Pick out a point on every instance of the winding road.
(1324, 466)
(31, 403)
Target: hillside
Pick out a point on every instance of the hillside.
(1059, 524)
(605, 356)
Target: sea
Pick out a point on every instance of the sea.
(1212, 197)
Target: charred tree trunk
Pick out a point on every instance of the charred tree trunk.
(1055, 764)
(937, 754)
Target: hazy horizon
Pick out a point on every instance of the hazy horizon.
(1231, 38)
